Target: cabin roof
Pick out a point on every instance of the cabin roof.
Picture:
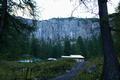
(74, 56)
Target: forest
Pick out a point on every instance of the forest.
(19, 42)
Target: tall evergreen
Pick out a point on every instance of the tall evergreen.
(67, 47)
(80, 47)
(14, 32)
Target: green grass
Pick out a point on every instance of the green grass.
(11, 70)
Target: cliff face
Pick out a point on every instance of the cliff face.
(72, 28)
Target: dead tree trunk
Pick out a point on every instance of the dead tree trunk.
(111, 65)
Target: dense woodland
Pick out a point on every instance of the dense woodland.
(17, 41)
(17, 38)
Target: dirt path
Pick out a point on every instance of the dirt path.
(72, 73)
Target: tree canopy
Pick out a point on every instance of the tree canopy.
(14, 31)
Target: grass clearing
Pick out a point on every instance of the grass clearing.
(11, 70)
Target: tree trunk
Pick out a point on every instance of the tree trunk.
(111, 65)
(3, 16)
